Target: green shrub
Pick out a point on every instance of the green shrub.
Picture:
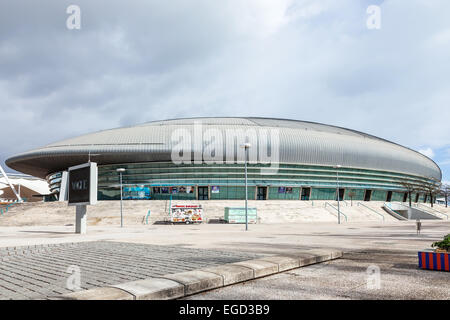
(444, 244)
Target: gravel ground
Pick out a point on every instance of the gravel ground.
(346, 278)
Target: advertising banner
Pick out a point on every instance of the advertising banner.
(136, 193)
(82, 187)
(215, 189)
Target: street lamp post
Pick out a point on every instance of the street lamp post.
(246, 146)
(338, 196)
(120, 171)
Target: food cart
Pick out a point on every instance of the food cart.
(192, 213)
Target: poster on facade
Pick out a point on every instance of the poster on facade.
(281, 190)
(215, 189)
(173, 190)
(189, 189)
(136, 193)
(288, 189)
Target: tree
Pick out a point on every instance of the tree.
(431, 188)
(410, 188)
(351, 194)
(445, 191)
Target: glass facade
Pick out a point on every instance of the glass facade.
(166, 180)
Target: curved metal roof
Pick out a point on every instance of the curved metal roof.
(300, 142)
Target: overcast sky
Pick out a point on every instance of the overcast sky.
(136, 61)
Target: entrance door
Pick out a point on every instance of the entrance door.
(262, 193)
(341, 194)
(203, 193)
(306, 194)
(389, 196)
(405, 197)
(417, 198)
(367, 195)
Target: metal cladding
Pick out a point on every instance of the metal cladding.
(300, 142)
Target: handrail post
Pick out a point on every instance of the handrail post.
(147, 216)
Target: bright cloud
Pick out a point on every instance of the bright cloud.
(428, 152)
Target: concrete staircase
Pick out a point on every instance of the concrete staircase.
(134, 211)
(439, 210)
(376, 206)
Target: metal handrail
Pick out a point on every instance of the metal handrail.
(342, 201)
(433, 214)
(6, 208)
(339, 211)
(428, 208)
(362, 204)
(392, 211)
(147, 216)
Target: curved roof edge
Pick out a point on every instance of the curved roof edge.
(35, 153)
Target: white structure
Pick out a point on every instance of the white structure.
(10, 180)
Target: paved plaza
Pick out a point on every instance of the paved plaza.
(111, 255)
(39, 272)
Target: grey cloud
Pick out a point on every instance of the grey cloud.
(139, 61)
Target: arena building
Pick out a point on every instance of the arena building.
(202, 159)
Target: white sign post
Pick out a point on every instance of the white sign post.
(82, 191)
(81, 219)
(63, 189)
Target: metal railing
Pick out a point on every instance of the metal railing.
(5, 208)
(339, 211)
(428, 209)
(388, 207)
(145, 219)
(420, 209)
(362, 204)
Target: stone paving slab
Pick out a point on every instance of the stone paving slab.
(260, 268)
(284, 263)
(153, 289)
(41, 272)
(196, 281)
(231, 273)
